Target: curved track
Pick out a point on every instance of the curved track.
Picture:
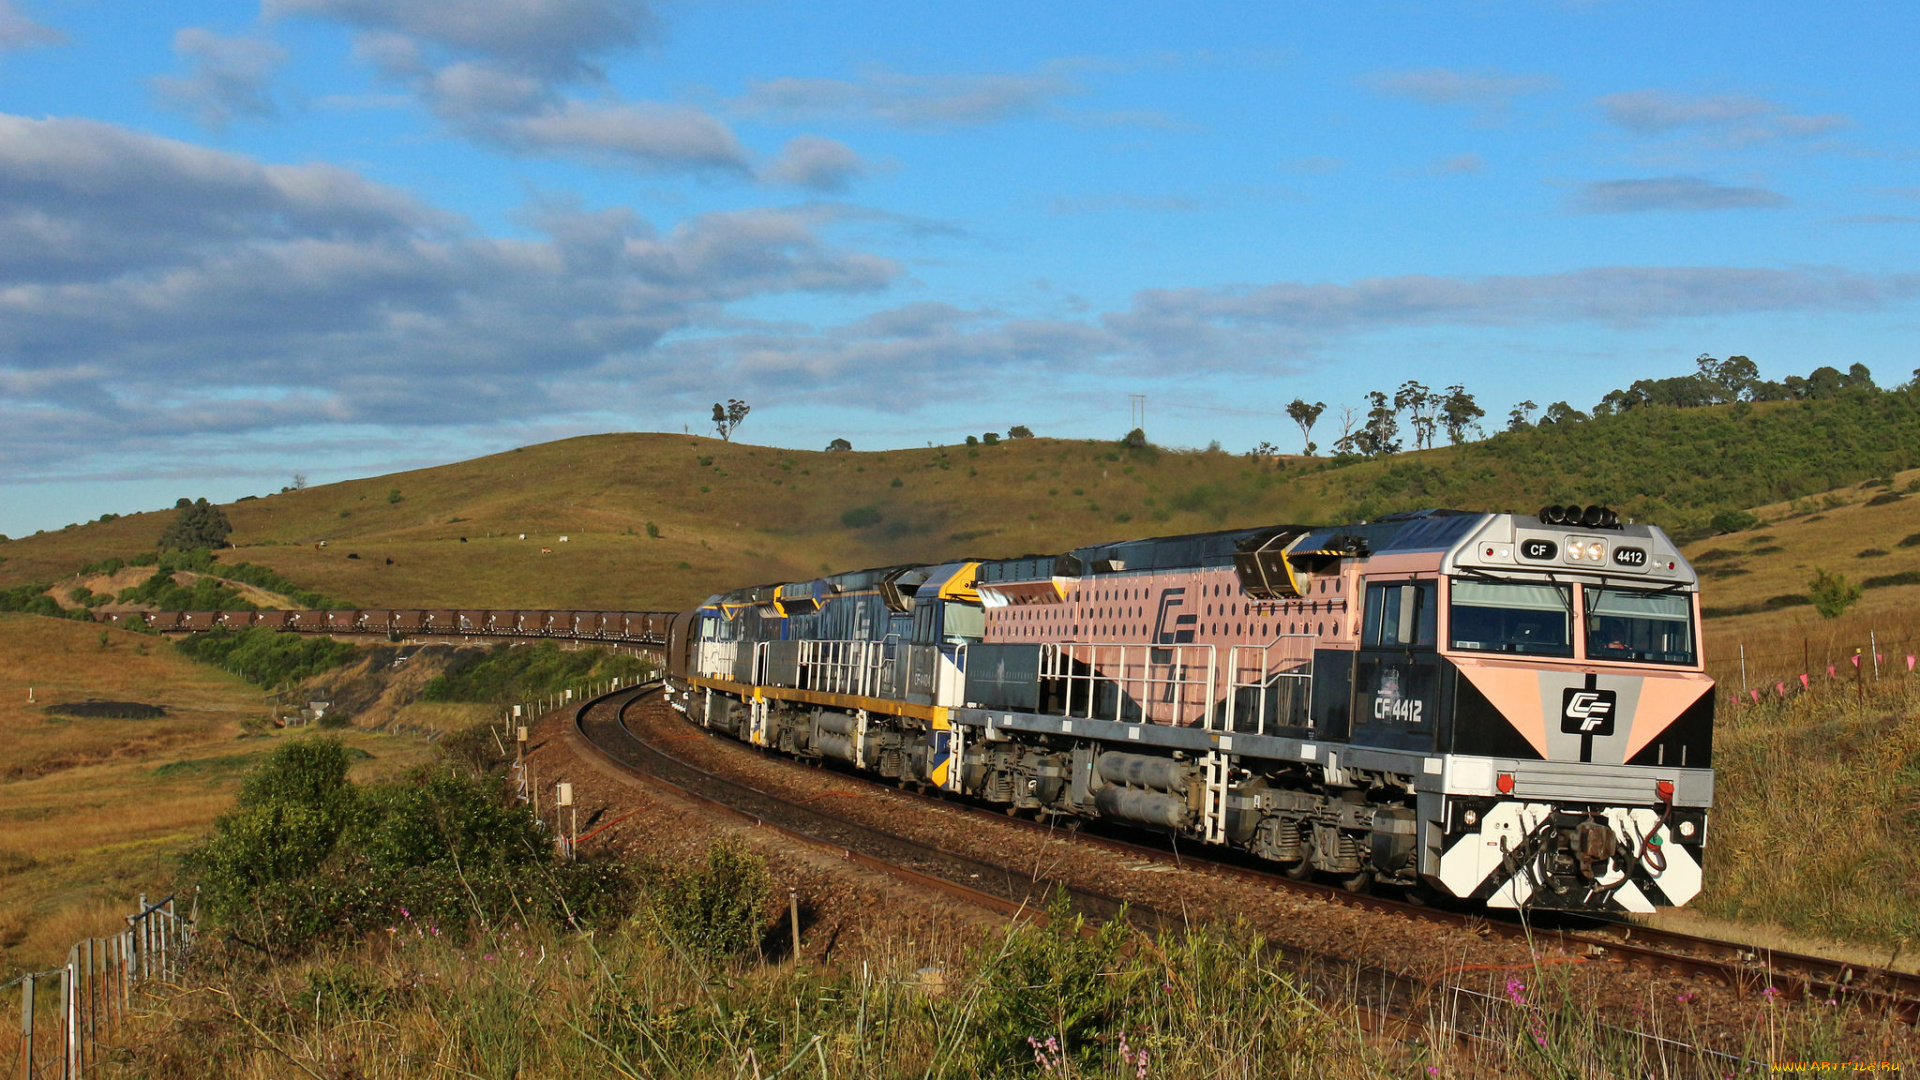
(1737, 966)
(1392, 1003)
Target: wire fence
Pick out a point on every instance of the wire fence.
(1779, 666)
(92, 994)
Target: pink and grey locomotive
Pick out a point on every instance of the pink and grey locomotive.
(1510, 709)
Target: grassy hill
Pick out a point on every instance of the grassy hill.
(726, 514)
(1672, 466)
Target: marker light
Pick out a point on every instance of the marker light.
(1664, 789)
(1505, 783)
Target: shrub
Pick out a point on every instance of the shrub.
(1055, 983)
(306, 856)
(266, 657)
(1832, 595)
(716, 908)
(1729, 521)
(653, 531)
(861, 516)
(33, 600)
(290, 812)
(507, 674)
(393, 496)
(839, 446)
(1135, 439)
(991, 438)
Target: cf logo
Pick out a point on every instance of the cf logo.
(1588, 709)
(1587, 712)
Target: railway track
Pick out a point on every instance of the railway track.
(1742, 968)
(1392, 1003)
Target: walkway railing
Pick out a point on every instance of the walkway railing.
(1270, 686)
(1156, 684)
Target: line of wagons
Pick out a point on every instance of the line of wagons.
(632, 627)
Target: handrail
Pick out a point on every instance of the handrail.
(1163, 684)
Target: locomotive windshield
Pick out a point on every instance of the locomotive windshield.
(1639, 626)
(1508, 617)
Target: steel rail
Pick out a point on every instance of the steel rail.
(1390, 1001)
(1740, 967)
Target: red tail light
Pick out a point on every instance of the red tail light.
(1664, 789)
(1505, 783)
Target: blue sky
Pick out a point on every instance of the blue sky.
(240, 241)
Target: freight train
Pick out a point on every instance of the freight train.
(1507, 709)
(645, 628)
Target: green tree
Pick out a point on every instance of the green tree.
(1306, 415)
(1562, 413)
(1522, 416)
(839, 446)
(196, 524)
(1730, 521)
(1022, 431)
(1135, 439)
(1832, 594)
(1381, 433)
(728, 418)
(1418, 401)
(1458, 412)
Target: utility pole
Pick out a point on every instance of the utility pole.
(1138, 412)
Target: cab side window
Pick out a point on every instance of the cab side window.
(1400, 614)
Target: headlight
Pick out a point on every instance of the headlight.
(1686, 828)
(1470, 818)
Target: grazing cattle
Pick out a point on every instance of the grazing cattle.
(546, 551)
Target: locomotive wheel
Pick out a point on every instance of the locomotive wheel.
(1358, 883)
(1420, 894)
(1302, 870)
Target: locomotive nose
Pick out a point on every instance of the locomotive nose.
(1593, 842)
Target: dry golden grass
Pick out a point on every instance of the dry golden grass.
(1779, 557)
(92, 812)
(1815, 802)
(754, 514)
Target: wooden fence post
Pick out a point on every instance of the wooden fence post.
(26, 1027)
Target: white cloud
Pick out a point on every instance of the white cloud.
(229, 77)
(646, 136)
(19, 32)
(148, 286)
(1686, 194)
(1460, 164)
(1447, 86)
(910, 101)
(1725, 120)
(815, 163)
(557, 39)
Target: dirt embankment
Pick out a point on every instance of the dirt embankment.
(382, 690)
